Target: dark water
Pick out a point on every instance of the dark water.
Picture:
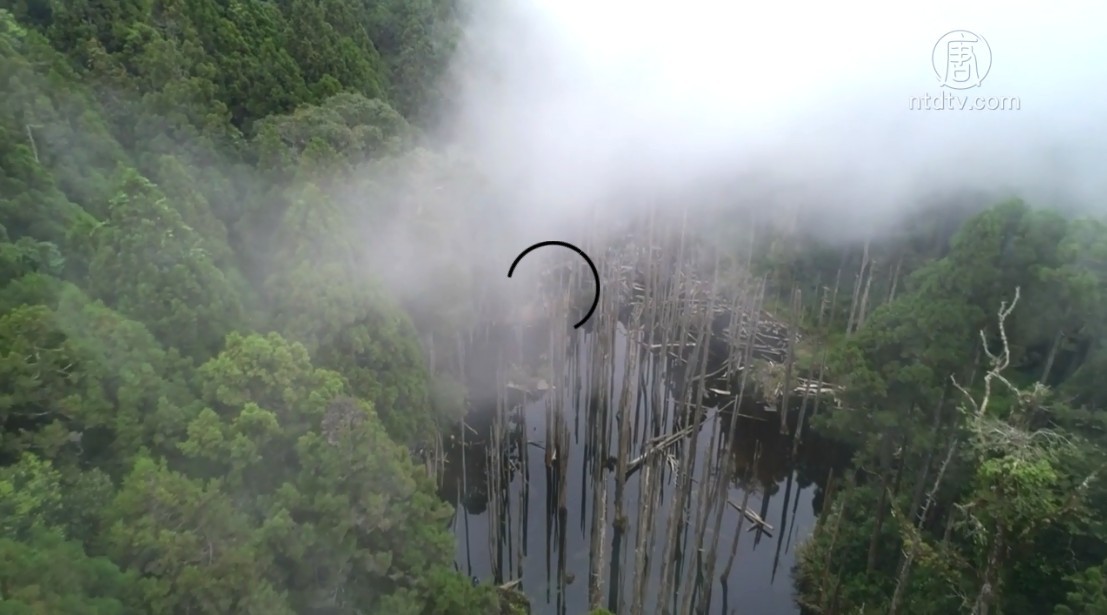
(549, 550)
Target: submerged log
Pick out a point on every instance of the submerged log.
(537, 386)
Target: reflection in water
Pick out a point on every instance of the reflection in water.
(529, 513)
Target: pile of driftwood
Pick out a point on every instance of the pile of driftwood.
(770, 336)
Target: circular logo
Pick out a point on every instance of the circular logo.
(961, 60)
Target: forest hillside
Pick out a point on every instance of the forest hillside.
(205, 405)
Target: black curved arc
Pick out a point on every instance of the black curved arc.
(591, 265)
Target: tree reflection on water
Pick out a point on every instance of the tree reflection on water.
(533, 540)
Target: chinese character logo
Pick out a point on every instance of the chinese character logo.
(961, 60)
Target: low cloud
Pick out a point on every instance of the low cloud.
(570, 104)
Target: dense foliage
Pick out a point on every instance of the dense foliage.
(207, 402)
(969, 383)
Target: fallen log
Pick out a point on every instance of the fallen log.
(657, 445)
(758, 522)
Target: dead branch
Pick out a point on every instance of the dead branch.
(998, 362)
(31, 139)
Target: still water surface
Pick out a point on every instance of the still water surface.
(549, 552)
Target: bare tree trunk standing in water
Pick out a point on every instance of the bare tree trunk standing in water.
(822, 352)
(725, 470)
(789, 366)
(672, 531)
(706, 486)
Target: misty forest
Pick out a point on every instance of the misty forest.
(258, 355)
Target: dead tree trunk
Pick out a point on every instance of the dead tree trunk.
(837, 284)
(1052, 356)
(857, 282)
(825, 587)
(895, 280)
(913, 550)
(920, 484)
(31, 139)
(863, 309)
(786, 402)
